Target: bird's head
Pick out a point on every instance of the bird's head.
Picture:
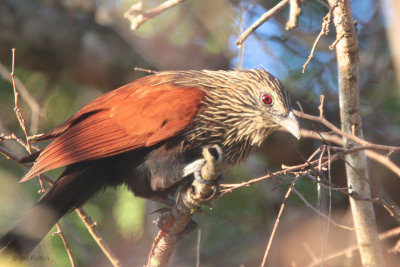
(241, 107)
(250, 103)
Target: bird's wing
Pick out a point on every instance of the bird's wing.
(134, 116)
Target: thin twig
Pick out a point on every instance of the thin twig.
(346, 251)
(26, 96)
(336, 138)
(320, 213)
(64, 240)
(28, 147)
(324, 30)
(294, 14)
(81, 212)
(17, 110)
(198, 248)
(137, 16)
(240, 31)
(264, 18)
(91, 226)
(264, 260)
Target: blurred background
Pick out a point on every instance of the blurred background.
(68, 52)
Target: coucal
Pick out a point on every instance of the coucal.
(145, 133)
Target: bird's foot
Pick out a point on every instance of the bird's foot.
(208, 169)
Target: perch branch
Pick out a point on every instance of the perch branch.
(189, 200)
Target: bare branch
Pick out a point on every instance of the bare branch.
(137, 16)
(264, 18)
(295, 12)
(64, 240)
(17, 110)
(336, 139)
(28, 98)
(81, 212)
(91, 226)
(347, 54)
(346, 251)
(189, 200)
(277, 222)
(320, 213)
(324, 30)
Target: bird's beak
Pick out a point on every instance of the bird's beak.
(291, 124)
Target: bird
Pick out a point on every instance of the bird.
(145, 133)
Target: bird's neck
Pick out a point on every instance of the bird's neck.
(236, 145)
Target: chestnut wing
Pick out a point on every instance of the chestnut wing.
(118, 122)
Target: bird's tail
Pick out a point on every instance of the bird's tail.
(71, 190)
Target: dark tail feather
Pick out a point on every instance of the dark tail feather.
(71, 190)
(30, 158)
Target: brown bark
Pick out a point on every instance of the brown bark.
(356, 164)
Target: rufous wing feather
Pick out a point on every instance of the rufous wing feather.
(140, 114)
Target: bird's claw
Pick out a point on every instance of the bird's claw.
(209, 172)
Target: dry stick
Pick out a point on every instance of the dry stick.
(324, 30)
(240, 30)
(35, 108)
(59, 231)
(352, 137)
(319, 193)
(382, 159)
(294, 14)
(288, 169)
(90, 225)
(347, 54)
(320, 213)
(330, 195)
(346, 251)
(137, 16)
(277, 222)
(64, 240)
(28, 147)
(198, 248)
(17, 110)
(189, 200)
(85, 218)
(264, 18)
(13, 137)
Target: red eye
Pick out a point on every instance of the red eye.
(267, 99)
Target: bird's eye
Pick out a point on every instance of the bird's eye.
(267, 99)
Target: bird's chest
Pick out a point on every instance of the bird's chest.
(235, 149)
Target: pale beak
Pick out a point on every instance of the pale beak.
(291, 124)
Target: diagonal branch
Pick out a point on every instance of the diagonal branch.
(137, 16)
(264, 18)
(178, 221)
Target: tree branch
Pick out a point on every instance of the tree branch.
(264, 18)
(190, 198)
(137, 16)
(356, 163)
